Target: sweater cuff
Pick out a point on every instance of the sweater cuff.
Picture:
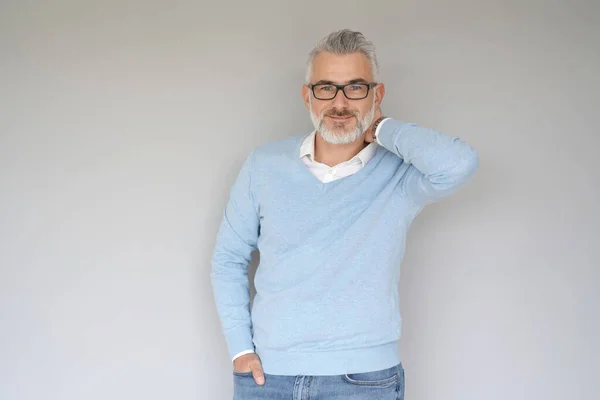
(239, 340)
(241, 353)
(387, 136)
(379, 130)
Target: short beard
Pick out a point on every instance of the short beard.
(343, 137)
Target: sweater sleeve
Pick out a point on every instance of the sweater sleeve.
(236, 240)
(439, 164)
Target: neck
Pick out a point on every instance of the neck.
(333, 154)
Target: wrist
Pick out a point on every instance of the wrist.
(375, 125)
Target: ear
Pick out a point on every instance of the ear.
(379, 94)
(305, 94)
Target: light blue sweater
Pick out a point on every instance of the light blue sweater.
(330, 253)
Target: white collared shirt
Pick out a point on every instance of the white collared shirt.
(324, 172)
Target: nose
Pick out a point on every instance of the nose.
(340, 101)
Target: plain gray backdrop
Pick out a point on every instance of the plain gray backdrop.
(124, 123)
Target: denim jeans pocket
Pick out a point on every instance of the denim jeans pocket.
(383, 378)
(242, 374)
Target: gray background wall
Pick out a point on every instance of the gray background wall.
(123, 124)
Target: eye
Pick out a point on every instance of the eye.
(355, 88)
(327, 88)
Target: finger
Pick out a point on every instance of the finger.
(258, 374)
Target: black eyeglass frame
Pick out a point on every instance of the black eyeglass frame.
(342, 87)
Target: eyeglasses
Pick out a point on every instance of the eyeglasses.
(352, 91)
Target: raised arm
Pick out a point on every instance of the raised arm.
(440, 164)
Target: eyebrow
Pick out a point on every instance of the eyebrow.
(326, 82)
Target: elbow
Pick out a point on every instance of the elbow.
(461, 170)
(453, 177)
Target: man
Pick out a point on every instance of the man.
(329, 213)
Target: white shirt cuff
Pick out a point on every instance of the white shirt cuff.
(378, 129)
(241, 353)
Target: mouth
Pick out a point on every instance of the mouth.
(339, 119)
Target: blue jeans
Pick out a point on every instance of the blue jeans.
(386, 384)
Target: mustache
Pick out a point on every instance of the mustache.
(340, 113)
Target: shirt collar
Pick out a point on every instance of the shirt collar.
(308, 146)
(307, 149)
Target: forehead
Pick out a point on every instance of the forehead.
(341, 68)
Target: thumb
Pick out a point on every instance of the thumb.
(257, 373)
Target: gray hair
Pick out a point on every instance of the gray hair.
(344, 42)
